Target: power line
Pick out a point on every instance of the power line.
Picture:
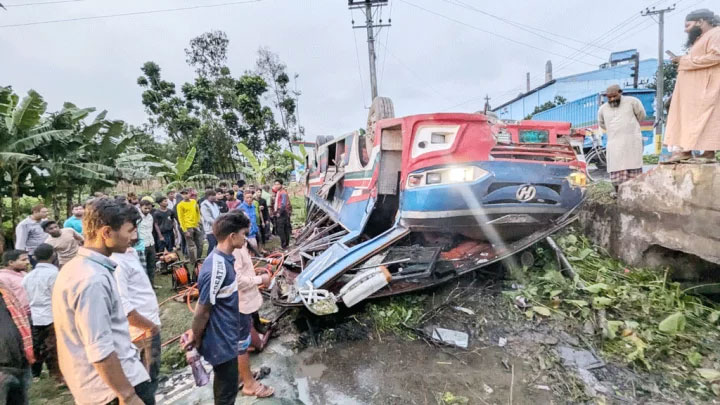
(518, 25)
(41, 3)
(492, 33)
(387, 39)
(357, 56)
(132, 13)
(416, 74)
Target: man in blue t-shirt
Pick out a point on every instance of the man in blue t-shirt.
(75, 221)
(219, 331)
(248, 208)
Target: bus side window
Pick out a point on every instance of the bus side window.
(364, 149)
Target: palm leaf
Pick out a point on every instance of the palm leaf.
(303, 152)
(15, 157)
(90, 131)
(175, 185)
(248, 154)
(34, 141)
(101, 116)
(294, 156)
(185, 164)
(27, 114)
(203, 177)
(6, 101)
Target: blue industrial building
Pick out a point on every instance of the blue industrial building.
(580, 85)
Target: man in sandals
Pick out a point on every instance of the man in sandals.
(620, 118)
(694, 117)
(219, 331)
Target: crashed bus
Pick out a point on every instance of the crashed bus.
(416, 201)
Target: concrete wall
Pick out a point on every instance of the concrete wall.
(669, 216)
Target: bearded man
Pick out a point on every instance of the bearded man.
(694, 117)
(620, 118)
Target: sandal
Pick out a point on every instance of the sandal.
(677, 158)
(257, 375)
(261, 391)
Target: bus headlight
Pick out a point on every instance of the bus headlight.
(451, 175)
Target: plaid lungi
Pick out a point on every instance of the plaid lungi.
(621, 176)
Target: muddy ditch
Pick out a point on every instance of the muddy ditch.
(612, 335)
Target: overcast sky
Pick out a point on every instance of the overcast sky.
(435, 57)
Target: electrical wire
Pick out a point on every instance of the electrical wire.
(416, 74)
(133, 13)
(387, 39)
(357, 56)
(519, 26)
(492, 33)
(40, 3)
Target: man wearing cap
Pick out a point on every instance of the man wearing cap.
(620, 118)
(694, 117)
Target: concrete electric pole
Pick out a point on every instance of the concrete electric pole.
(369, 8)
(659, 81)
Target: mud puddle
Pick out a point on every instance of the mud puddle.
(402, 372)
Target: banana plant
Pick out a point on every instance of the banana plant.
(260, 170)
(22, 131)
(176, 174)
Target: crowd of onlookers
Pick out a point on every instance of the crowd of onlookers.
(80, 298)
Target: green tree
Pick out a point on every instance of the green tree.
(274, 72)
(178, 174)
(261, 169)
(22, 130)
(558, 100)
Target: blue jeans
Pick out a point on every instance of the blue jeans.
(212, 242)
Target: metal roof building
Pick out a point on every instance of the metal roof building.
(579, 85)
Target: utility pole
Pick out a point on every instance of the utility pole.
(370, 8)
(659, 81)
(487, 104)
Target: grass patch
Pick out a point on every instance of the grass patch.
(651, 159)
(601, 192)
(397, 314)
(175, 319)
(298, 211)
(640, 318)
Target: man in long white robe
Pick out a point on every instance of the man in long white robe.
(694, 117)
(620, 118)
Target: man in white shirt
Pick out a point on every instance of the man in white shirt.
(140, 304)
(97, 358)
(209, 212)
(38, 285)
(145, 232)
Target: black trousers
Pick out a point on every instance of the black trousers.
(45, 351)
(143, 390)
(150, 260)
(225, 384)
(283, 229)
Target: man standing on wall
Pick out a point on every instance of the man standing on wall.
(694, 116)
(188, 215)
(620, 118)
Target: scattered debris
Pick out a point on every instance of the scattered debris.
(452, 337)
(579, 358)
(502, 342)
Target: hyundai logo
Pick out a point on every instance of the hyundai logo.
(525, 193)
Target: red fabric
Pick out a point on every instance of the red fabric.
(20, 319)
